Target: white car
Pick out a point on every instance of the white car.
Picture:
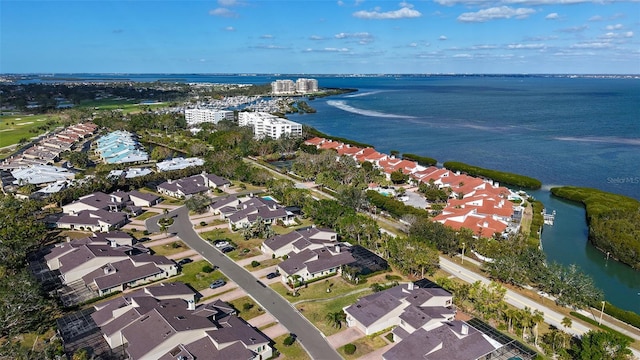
(221, 244)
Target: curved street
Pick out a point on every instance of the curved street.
(309, 336)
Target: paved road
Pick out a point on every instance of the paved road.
(550, 317)
(308, 335)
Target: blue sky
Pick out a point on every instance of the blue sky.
(320, 36)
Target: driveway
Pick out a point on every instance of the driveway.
(309, 336)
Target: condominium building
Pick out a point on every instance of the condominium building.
(301, 86)
(283, 87)
(305, 86)
(267, 125)
(198, 116)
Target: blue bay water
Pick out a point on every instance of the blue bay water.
(563, 131)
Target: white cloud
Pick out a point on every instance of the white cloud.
(405, 4)
(413, 44)
(574, 29)
(402, 13)
(615, 35)
(228, 3)
(266, 36)
(483, 47)
(340, 3)
(592, 45)
(502, 12)
(552, 16)
(442, 38)
(230, 28)
(316, 37)
(361, 37)
(270, 47)
(464, 56)
(596, 18)
(615, 27)
(329, 49)
(223, 12)
(522, 2)
(525, 46)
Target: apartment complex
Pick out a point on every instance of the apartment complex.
(300, 86)
(267, 125)
(198, 116)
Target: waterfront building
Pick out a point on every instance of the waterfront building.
(267, 125)
(120, 147)
(283, 87)
(300, 86)
(179, 163)
(305, 86)
(199, 116)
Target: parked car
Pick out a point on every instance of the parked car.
(227, 249)
(272, 275)
(216, 284)
(184, 261)
(221, 244)
(144, 239)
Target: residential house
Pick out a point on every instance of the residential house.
(298, 240)
(196, 184)
(107, 267)
(172, 327)
(241, 212)
(92, 220)
(315, 262)
(404, 305)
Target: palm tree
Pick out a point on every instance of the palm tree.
(525, 319)
(566, 322)
(335, 319)
(295, 282)
(537, 318)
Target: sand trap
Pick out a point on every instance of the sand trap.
(27, 123)
(6, 130)
(42, 120)
(17, 119)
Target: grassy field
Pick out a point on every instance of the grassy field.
(255, 310)
(170, 249)
(192, 274)
(127, 106)
(293, 352)
(16, 127)
(147, 215)
(263, 264)
(316, 311)
(364, 346)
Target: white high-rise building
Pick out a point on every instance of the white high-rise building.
(305, 86)
(267, 125)
(283, 87)
(198, 116)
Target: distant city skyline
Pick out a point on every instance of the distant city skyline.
(321, 37)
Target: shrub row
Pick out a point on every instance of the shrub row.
(500, 176)
(317, 133)
(628, 317)
(422, 160)
(603, 327)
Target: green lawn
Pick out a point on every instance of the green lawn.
(170, 249)
(364, 346)
(263, 264)
(293, 352)
(127, 106)
(318, 290)
(316, 311)
(192, 274)
(255, 310)
(16, 127)
(147, 215)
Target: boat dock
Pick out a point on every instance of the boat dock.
(548, 218)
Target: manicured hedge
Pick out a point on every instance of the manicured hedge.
(349, 349)
(628, 317)
(422, 160)
(603, 327)
(614, 221)
(317, 133)
(500, 176)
